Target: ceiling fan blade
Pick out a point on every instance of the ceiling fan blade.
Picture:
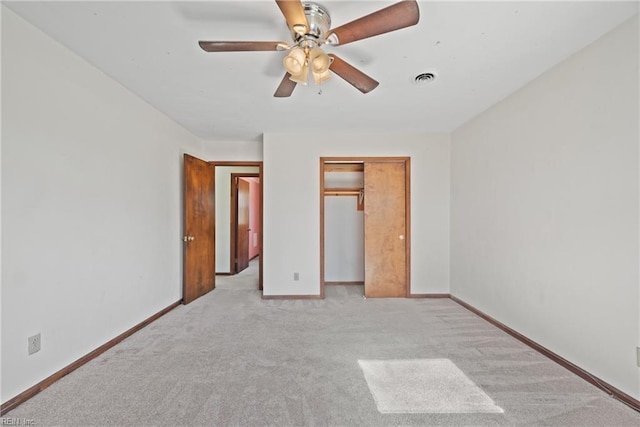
(399, 15)
(293, 12)
(240, 46)
(286, 87)
(352, 75)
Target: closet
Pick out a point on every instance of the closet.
(374, 247)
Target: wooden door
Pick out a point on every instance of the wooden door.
(199, 229)
(385, 229)
(242, 228)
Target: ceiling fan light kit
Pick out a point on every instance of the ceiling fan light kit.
(310, 26)
(300, 60)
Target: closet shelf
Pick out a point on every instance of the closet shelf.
(342, 191)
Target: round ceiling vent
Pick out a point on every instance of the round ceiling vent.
(424, 78)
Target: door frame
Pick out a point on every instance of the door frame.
(260, 167)
(233, 218)
(407, 165)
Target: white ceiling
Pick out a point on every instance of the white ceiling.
(480, 51)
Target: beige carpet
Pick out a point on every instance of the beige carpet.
(421, 386)
(246, 280)
(233, 359)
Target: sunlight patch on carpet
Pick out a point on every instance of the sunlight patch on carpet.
(418, 386)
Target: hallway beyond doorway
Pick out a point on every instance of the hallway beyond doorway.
(247, 279)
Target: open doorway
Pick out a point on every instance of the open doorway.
(249, 174)
(244, 220)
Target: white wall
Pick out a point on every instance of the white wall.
(344, 240)
(292, 205)
(247, 151)
(544, 216)
(223, 214)
(343, 230)
(91, 196)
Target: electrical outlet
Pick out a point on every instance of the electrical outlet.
(34, 344)
(296, 276)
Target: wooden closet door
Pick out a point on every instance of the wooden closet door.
(385, 229)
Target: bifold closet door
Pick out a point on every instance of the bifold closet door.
(385, 229)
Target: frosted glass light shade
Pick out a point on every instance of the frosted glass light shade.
(319, 60)
(300, 77)
(321, 77)
(295, 61)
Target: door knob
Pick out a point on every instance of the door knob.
(188, 239)
(401, 237)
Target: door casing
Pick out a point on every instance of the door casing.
(234, 217)
(407, 162)
(259, 165)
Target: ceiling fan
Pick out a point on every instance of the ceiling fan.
(310, 26)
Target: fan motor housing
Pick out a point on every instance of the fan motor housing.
(319, 22)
